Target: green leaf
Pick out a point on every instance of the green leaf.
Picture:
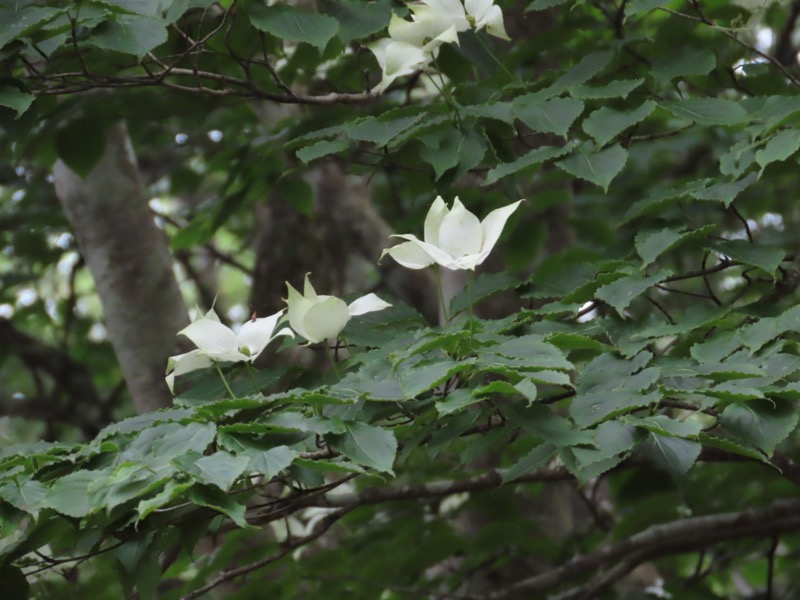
(766, 329)
(215, 499)
(272, 461)
(665, 426)
(69, 495)
(220, 469)
(456, 400)
(421, 378)
(620, 293)
(321, 149)
(605, 123)
(599, 168)
(359, 19)
(530, 159)
(725, 191)
(483, 287)
(548, 116)
(762, 423)
(674, 454)
(611, 439)
(536, 458)
(294, 24)
(682, 62)
(529, 351)
(379, 130)
(593, 407)
(615, 89)
(172, 489)
(652, 244)
(764, 257)
(444, 150)
(16, 99)
(779, 147)
(586, 68)
(716, 348)
(540, 421)
(545, 4)
(708, 111)
(28, 496)
(81, 144)
(367, 445)
(130, 34)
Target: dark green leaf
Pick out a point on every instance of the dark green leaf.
(764, 257)
(536, 458)
(130, 34)
(367, 445)
(708, 111)
(599, 168)
(605, 123)
(683, 62)
(548, 116)
(294, 24)
(359, 18)
(762, 423)
(321, 149)
(673, 454)
(620, 293)
(530, 159)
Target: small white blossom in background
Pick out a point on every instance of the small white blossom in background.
(318, 318)
(217, 343)
(454, 239)
(413, 44)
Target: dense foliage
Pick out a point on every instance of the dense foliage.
(608, 409)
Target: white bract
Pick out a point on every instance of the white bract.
(484, 13)
(413, 44)
(454, 239)
(318, 318)
(217, 343)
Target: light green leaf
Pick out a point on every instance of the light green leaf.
(762, 423)
(605, 123)
(708, 111)
(615, 89)
(548, 116)
(767, 258)
(14, 98)
(130, 34)
(215, 499)
(536, 458)
(294, 24)
(367, 445)
(665, 426)
(530, 159)
(321, 149)
(69, 495)
(458, 399)
(652, 244)
(674, 454)
(599, 168)
(620, 293)
(220, 469)
(780, 147)
(725, 191)
(172, 490)
(682, 62)
(359, 19)
(766, 329)
(28, 496)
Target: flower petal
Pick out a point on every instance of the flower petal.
(325, 319)
(255, 335)
(452, 10)
(308, 290)
(494, 23)
(366, 304)
(493, 226)
(433, 220)
(184, 363)
(298, 307)
(409, 255)
(414, 258)
(397, 59)
(210, 336)
(460, 233)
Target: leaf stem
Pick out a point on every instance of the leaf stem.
(225, 381)
(469, 298)
(438, 273)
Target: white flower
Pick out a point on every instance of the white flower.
(397, 59)
(217, 343)
(454, 239)
(429, 29)
(318, 318)
(484, 13)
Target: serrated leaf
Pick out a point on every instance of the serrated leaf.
(69, 495)
(586, 68)
(763, 423)
(28, 496)
(536, 458)
(665, 426)
(359, 19)
(708, 111)
(605, 123)
(757, 334)
(530, 351)
(725, 191)
(321, 149)
(130, 34)
(421, 378)
(674, 454)
(652, 244)
(780, 147)
(215, 499)
(717, 348)
(530, 159)
(615, 89)
(172, 489)
(456, 400)
(621, 292)
(611, 438)
(379, 130)
(549, 116)
(367, 445)
(599, 168)
(16, 99)
(682, 62)
(767, 258)
(540, 421)
(482, 287)
(294, 24)
(220, 469)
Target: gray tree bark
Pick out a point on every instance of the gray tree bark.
(130, 263)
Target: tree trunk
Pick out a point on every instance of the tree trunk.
(131, 265)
